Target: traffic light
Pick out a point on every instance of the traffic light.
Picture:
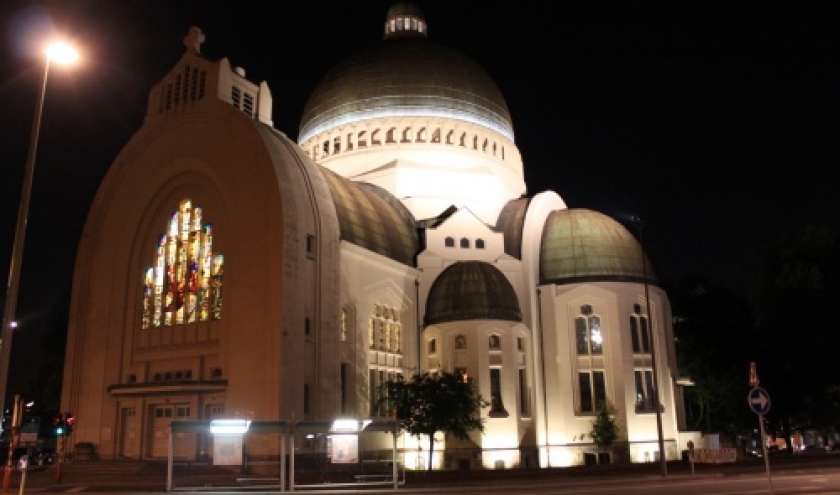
(69, 423)
(64, 424)
(58, 425)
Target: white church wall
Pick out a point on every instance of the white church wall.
(368, 279)
(613, 302)
(476, 347)
(483, 173)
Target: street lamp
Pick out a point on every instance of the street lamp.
(663, 464)
(60, 53)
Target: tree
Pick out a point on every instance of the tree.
(604, 430)
(799, 291)
(428, 403)
(716, 340)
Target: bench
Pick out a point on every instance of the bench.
(266, 480)
(384, 478)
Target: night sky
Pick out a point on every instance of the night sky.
(717, 122)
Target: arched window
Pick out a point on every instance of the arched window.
(479, 243)
(385, 329)
(589, 337)
(644, 389)
(465, 243)
(497, 406)
(449, 242)
(185, 283)
(639, 331)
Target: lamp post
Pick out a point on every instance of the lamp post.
(663, 464)
(64, 54)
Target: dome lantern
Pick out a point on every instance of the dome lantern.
(405, 20)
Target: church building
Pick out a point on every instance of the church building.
(226, 271)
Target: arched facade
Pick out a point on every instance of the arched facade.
(226, 271)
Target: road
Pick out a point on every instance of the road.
(807, 475)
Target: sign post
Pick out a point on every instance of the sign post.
(759, 401)
(690, 446)
(22, 465)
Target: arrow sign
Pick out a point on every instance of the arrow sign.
(759, 400)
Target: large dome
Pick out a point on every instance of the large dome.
(405, 75)
(580, 245)
(472, 290)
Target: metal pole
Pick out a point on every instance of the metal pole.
(62, 443)
(292, 458)
(394, 471)
(17, 249)
(663, 462)
(13, 440)
(170, 458)
(283, 441)
(764, 451)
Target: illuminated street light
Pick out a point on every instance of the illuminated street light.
(663, 463)
(60, 53)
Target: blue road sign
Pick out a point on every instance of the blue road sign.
(23, 463)
(759, 401)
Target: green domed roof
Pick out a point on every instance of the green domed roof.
(582, 245)
(472, 290)
(511, 222)
(369, 217)
(405, 75)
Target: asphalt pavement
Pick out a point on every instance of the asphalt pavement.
(151, 477)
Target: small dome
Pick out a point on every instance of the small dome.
(472, 290)
(404, 9)
(405, 75)
(581, 245)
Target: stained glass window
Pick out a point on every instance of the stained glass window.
(184, 284)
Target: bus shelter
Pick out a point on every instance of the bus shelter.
(225, 454)
(345, 453)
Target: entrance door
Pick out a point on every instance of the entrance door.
(205, 447)
(160, 417)
(129, 433)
